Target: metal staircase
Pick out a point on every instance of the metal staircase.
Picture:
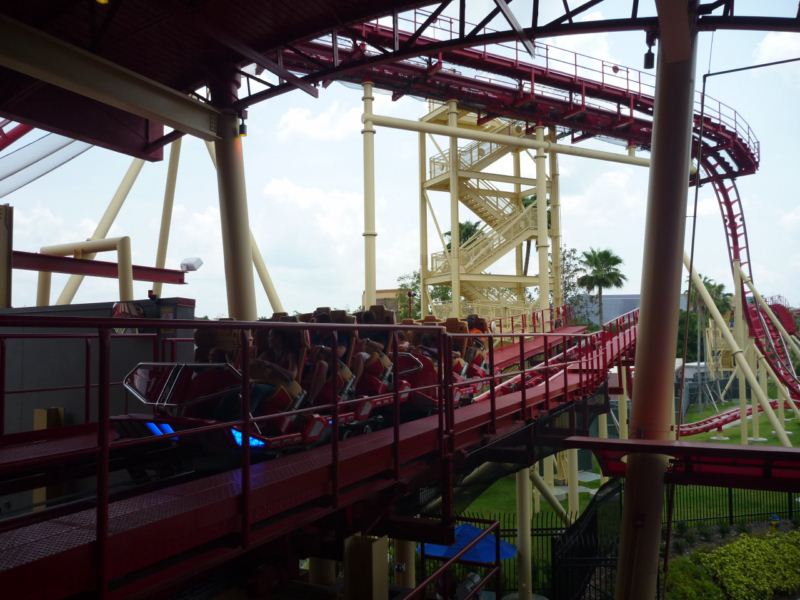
(486, 247)
(506, 223)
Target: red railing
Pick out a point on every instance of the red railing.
(588, 354)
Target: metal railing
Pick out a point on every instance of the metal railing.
(485, 249)
(609, 77)
(580, 361)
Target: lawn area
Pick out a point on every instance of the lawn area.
(732, 432)
(500, 497)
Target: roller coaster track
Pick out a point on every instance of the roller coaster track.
(196, 525)
(583, 97)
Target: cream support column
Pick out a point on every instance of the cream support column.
(236, 242)
(455, 226)
(519, 250)
(573, 497)
(637, 566)
(423, 228)
(369, 199)
(405, 554)
(792, 343)
(166, 211)
(322, 571)
(547, 492)
(763, 382)
(740, 331)
(555, 225)
(103, 226)
(524, 557)
(258, 260)
(266, 281)
(542, 243)
(548, 470)
(783, 394)
(622, 404)
(602, 432)
(366, 568)
(738, 356)
(755, 419)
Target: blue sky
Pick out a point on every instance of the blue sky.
(305, 187)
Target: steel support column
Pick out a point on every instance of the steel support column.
(166, 211)
(103, 226)
(524, 557)
(405, 555)
(555, 225)
(369, 199)
(573, 497)
(542, 243)
(423, 228)
(622, 404)
(235, 222)
(455, 225)
(321, 571)
(519, 250)
(661, 287)
(740, 330)
(738, 355)
(258, 259)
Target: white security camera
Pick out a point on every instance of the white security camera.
(191, 264)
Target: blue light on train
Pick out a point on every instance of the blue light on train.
(161, 429)
(237, 437)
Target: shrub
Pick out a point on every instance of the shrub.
(681, 527)
(724, 529)
(705, 532)
(679, 546)
(690, 537)
(756, 568)
(688, 580)
(742, 527)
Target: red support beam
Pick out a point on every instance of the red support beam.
(33, 261)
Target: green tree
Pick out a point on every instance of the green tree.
(601, 272)
(571, 270)
(410, 283)
(466, 229)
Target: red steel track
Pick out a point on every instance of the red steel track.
(584, 97)
(190, 526)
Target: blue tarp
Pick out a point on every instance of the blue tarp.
(482, 552)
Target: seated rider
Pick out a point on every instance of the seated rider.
(321, 342)
(275, 367)
(374, 347)
(476, 345)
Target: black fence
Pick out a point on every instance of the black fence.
(579, 562)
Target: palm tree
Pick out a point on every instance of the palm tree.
(601, 272)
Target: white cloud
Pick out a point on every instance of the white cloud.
(791, 219)
(777, 46)
(335, 123)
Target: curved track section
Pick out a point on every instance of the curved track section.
(582, 96)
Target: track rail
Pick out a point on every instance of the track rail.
(583, 97)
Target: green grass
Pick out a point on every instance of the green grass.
(765, 429)
(501, 497)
